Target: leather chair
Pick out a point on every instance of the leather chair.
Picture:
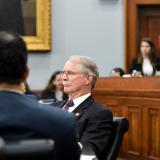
(33, 149)
(120, 127)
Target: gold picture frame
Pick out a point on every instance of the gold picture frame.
(42, 40)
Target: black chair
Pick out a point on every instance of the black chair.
(2, 149)
(33, 149)
(120, 127)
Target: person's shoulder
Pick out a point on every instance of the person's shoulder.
(99, 108)
(99, 112)
(157, 59)
(52, 109)
(52, 122)
(53, 116)
(46, 92)
(58, 103)
(45, 109)
(156, 63)
(134, 60)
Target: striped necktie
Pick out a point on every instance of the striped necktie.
(69, 103)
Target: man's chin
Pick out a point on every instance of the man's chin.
(66, 91)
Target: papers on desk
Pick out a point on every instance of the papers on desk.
(87, 153)
(46, 101)
(87, 157)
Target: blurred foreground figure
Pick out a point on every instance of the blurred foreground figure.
(22, 117)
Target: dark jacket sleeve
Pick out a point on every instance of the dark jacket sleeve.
(97, 131)
(133, 66)
(69, 148)
(60, 126)
(157, 64)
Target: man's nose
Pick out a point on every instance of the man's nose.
(64, 76)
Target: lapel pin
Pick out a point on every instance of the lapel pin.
(77, 114)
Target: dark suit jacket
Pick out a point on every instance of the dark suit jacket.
(94, 125)
(21, 117)
(138, 67)
(51, 95)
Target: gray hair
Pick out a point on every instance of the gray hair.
(88, 66)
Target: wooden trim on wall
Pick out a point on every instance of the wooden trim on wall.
(131, 13)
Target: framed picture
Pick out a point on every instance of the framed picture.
(31, 19)
(41, 41)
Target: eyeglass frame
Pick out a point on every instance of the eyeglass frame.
(70, 73)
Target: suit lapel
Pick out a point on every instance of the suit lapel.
(80, 110)
(60, 104)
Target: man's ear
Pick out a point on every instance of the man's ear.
(89, 79)
(25, 74)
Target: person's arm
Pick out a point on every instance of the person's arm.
(69, 142)
(97, 132)
(133, 66)
(60, 126)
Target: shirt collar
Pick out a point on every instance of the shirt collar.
(78, 101)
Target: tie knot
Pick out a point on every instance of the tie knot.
(69, 103)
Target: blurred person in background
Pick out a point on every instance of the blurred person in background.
(146, 61)
(54, 88)
(27, 90)
(117, 72)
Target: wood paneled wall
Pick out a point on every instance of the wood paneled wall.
(138, 99)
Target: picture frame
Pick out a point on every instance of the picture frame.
(41, 41)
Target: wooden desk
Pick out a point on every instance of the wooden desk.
(138, 99)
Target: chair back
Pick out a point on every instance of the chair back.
(119, 128)
(33, 149)
(2, 149)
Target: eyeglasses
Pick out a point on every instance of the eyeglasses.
(69, 73)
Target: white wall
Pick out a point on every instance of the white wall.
(93, 28)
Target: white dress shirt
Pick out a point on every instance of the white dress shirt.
(78, 101)
(147, 67)
(59, 95)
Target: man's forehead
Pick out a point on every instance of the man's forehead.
(71, 64)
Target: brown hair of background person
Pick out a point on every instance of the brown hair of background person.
(146, 51)
(54, 88)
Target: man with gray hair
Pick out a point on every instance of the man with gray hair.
(94, 121)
